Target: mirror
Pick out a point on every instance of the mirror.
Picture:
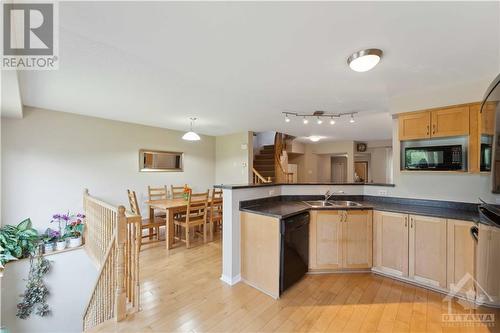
(159, 161)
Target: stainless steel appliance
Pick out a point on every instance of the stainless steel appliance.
(487, 231)
(486, 152)
(435, 155)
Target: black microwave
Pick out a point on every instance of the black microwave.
(486, 152)
(435, 158)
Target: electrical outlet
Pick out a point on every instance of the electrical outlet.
(271, 192)
(382, 193)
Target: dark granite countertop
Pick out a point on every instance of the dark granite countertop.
(283, 208)
(240, 186)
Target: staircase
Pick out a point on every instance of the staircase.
(264, 164)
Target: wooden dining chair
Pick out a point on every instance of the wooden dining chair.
(215, 212)
(195, 216)
(158, 193)
(177, 192)
(151, 225)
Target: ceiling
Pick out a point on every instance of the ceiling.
(236, 66)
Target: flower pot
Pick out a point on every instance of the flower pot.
(74, 241)
(60, 245)
(48, 247)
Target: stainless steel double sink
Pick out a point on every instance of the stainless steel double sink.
(332, 203)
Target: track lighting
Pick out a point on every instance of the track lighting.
(319, 115)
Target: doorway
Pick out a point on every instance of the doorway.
(361, 172)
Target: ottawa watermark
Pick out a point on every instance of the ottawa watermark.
(30, 35)
(469, 295)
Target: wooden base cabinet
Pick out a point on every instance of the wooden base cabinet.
(487, 266)
(340, 239)
(390, 243)
(461, 256)
(427, 250)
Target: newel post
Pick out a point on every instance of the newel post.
(120, 292)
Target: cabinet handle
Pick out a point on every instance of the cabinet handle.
(411, 222)
(406, 221)
(433, 128)
(427, 129)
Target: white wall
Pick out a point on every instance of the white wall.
(69, 281)
(49, 157)
(234, 158)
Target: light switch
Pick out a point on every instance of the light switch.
(244, 146)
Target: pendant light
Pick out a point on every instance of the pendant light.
(191, 136)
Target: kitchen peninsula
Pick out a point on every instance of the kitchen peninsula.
(365, 228)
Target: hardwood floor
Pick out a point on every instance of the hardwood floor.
(183, 293)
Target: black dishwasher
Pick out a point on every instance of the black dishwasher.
(294, 259)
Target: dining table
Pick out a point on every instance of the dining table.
(170, 207)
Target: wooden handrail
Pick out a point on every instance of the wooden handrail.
(279, 147)
(112, 239)
(259, 179)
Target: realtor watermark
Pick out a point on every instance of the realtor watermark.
(469, 295)
(30, 35)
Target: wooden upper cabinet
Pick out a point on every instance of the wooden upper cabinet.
(415, 125)
(390, 242)
(487, 119)
(357, 236)
(452, 121)
(427, 250)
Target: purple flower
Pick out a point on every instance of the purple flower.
(65, 217)
(56, 216)
(80, 215)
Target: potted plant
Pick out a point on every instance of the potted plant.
(60, 219)
(48, 239)
(186, 192)
(74, 231)
(17, 242)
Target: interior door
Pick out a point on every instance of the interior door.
(339, 169)
(390, 243)
(325, 240)
(427, 250)
(357, 238)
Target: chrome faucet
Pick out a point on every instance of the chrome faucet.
(328, 194)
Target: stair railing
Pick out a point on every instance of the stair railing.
(259, 179)
(282, 176)
(112, 239)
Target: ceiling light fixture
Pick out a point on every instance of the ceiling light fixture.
(352, 119)
(314, 138)
(319, 115)
(191, 136)
(364, 60)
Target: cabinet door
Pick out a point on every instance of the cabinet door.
(460, 256)
(474, 138)
(427, 253)
(415, 125)
(488, 119)
(450, 122)
(390, 242)
(487, 267)
(325, 240)
(357, 238)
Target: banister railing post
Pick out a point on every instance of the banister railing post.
(120, 291)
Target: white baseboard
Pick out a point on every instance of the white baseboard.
(231, 281)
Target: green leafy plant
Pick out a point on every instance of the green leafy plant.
(17, 242)
(36, 293)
